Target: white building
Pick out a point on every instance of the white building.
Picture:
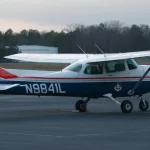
(35, 49)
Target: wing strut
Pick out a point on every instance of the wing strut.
(131, 92)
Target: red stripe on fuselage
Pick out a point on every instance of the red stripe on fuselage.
(102, 78)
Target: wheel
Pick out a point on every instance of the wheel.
(126, 106)
(142, 106)
(81, 106)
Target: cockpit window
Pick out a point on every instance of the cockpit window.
(131, 64)
(115, 66)
(74, 67)
(94, 68)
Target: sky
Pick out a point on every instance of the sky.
(46, 15)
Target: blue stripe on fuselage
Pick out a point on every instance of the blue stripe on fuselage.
(75, 89)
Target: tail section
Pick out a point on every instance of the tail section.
(6, 75)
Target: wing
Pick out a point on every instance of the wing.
(7, 86)
(120, 56)
(48, 58)
(70, 58)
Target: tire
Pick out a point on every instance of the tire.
(142, 106)
(126, 106)
(81, 106)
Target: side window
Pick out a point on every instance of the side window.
(131, 64)
(74, 67)
(115, 66)
(95, 68)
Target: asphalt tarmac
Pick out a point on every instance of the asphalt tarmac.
(50, 123)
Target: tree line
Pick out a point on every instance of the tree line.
(111, 37)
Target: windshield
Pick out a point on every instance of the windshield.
(131, 64)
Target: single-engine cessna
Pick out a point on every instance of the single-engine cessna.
(89, 76)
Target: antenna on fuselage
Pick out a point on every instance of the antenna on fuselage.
(100, 49)
(82, 51)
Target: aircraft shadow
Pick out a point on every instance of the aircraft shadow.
(27, 115)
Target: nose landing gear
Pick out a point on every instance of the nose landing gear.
(143, 105)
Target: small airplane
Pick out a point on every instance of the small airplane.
(88, 76)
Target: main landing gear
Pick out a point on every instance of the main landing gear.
(81, 105)
(126, 106)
